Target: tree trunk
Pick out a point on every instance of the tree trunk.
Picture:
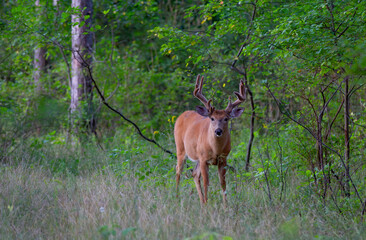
(39, 67)
(252, 118)
(82, 49)
(39, 62)
(250, 143)
(346, 135)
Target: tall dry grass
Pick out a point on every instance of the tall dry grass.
(36, 204)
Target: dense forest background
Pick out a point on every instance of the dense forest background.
(84, 83)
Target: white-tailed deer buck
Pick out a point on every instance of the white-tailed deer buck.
(204, 137)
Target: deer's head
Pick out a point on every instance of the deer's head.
(219, 119)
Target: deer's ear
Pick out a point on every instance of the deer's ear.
(236, 112)
(202, 111)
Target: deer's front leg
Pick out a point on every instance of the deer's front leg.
(179, 169)
(222, 171)
(204, 173)
(197, 180)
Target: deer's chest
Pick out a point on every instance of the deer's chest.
(216, 160)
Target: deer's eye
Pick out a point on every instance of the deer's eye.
(212, 119)
(226, 119)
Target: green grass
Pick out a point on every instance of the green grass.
(131, 195)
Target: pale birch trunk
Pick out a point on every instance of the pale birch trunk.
(39, 63)
(81, 84)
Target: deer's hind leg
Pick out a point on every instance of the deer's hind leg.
(181, 155)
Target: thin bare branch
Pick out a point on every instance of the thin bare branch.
(246, 41)
(319, 140)
(87, 66)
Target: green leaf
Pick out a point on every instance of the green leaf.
(227, 238)
(128, 230)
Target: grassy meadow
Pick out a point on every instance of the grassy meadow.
(48, 191)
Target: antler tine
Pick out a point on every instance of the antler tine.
(241, 95)
(198, 93)
(198, 86)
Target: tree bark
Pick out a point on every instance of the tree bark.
(82, 49)
(39, 67)
(39, 62)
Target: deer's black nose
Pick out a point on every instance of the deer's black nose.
(218, 132)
